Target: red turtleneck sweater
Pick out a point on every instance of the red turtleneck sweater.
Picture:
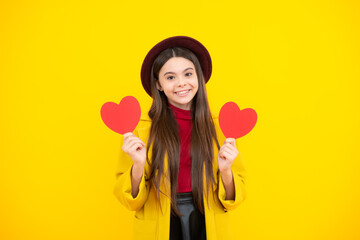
(183, 118)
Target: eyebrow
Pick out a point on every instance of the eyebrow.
(183, 71)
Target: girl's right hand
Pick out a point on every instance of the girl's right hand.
(135, 148)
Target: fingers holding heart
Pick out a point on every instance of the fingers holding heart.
(132, 143)
(227, 154)
(135, 148)
(231, 141)
(135, 145)
(228, 151)
(127, 137)
(134, 140)
(229, 146)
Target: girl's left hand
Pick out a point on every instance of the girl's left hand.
(227, 154)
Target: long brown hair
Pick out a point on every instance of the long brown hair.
(165, 138)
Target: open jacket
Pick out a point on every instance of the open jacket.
(153, 222)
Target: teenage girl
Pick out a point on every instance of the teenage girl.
(172, 170)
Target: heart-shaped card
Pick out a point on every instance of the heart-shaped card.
(236, 123)
(122, 117)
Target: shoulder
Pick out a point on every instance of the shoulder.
(145, 117)
(215, 118)
(219, 133)
(215, 115)
(142, 130)
(144, 121)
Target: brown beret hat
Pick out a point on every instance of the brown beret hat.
(178, 41)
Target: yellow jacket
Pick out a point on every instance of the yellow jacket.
(151, 222)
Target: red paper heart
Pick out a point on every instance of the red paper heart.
(122, 117)
(236, 123)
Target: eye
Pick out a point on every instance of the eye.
(188, 74)
(170, 77)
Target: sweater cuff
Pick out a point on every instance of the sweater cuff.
(239, 187)
(123, 190)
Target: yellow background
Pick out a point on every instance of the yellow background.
(295, 62)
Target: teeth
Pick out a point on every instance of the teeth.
(183, 92)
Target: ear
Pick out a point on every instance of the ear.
(158, 86)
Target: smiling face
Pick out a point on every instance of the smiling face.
(178, 80)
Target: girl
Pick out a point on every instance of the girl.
(172, 170)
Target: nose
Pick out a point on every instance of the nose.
(181, 82)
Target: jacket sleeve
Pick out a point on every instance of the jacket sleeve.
(239, 175)
(122, 189)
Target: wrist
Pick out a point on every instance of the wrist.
(226, 176)
(139, 165)
(137, 170)
(226, 172)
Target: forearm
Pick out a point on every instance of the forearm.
(136, 175)
(228, 181)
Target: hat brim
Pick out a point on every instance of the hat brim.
(178, 41)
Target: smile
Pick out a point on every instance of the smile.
(183, 93)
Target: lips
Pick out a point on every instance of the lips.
(183, 92)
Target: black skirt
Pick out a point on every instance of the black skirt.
(191, 225)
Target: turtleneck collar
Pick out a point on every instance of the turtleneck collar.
(180, 113)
